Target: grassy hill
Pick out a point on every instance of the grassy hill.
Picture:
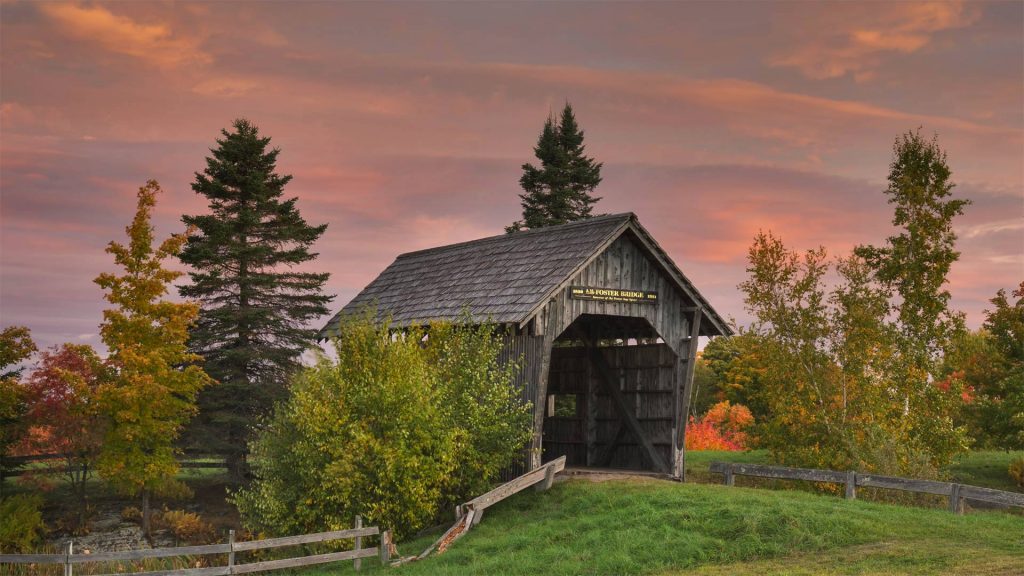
(659, 527)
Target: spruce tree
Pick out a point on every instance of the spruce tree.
(560, 190)
(255, 307)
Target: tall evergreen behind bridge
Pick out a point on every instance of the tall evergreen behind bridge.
(560, 190)
(255, 304)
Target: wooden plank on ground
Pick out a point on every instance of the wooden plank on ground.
(517, 485)
(462, 524)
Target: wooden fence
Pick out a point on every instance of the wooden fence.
(69, 558)
(956, 493)
(12, 466)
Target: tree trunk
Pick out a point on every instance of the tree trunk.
(146, 516)
(83, 504)
(237, 467)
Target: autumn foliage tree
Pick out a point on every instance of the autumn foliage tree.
(988, 365)
(724, 426)
(914, 262)
(65, 414)
(833, 377)
(153, 390)
(16, 346)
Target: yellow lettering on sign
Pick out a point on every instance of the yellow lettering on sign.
(613, 295)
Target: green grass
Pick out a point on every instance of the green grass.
(697, 462)
(659, 527)
(986, 468)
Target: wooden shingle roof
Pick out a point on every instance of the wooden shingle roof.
(503, 278)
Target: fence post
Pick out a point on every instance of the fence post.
(851, 485)
(231, 551)
(549, 479)
(728, 480)
(358, 562)
(385, 547)
(956, 505)
(67, 559)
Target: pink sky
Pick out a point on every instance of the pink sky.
(404, 126)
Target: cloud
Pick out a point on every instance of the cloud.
(992, 228)
(405, 127)
(854, 37)
(154, 43)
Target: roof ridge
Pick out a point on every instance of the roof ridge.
(534, 231)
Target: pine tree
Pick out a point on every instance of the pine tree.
(153, 392)
(560, 190)
(256, 307)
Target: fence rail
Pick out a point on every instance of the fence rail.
(956, 493)
(13, 466)
(68, 559)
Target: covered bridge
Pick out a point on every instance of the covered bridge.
(605, 325)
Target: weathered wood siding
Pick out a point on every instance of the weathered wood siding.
(647, 373)
(646, 378)
(526, 351)
(624, 265)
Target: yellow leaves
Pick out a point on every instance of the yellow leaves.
(151, 397)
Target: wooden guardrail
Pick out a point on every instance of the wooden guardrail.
(69, 558)
(469, 514)
(956, 493)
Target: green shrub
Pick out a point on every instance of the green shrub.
(397, 427)
(479, 403)
(21, 523)
(1017, 472)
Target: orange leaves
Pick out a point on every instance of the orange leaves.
(722, 428)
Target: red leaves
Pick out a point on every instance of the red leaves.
(63, 406)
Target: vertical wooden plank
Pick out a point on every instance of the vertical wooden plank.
(682, 416)
(549, 479)
(626, 271)
(729, 479)
(67, 558)
(591, 425)
(231, 551)
(358, 562)
(551, 331)
(956, 504)
(385, 547)
(678, 375)
(851, 485)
